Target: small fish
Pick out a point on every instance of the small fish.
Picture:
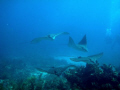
(81, 46)
(89, 59)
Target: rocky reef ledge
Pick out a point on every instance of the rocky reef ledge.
(20, 76)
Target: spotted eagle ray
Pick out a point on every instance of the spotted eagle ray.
(56, 70)
(48, 37)
(89, 59)
(81, 46)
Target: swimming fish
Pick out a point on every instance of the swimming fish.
(56, 70)
(81, 46)
(88, 59)
(48, 37)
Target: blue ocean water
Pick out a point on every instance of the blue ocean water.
(23, 20)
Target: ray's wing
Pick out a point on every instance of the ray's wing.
(96, 55)
(41, 70)
(93, 58)
(80, 59)
(83, 41)
(56, 70)
(71, 42)
(64, 33)
(37, 40)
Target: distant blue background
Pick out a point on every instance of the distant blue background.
(23, 20)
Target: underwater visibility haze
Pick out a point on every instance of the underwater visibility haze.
(40, 39)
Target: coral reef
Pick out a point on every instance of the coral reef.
(17, 75)
(94, 77)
